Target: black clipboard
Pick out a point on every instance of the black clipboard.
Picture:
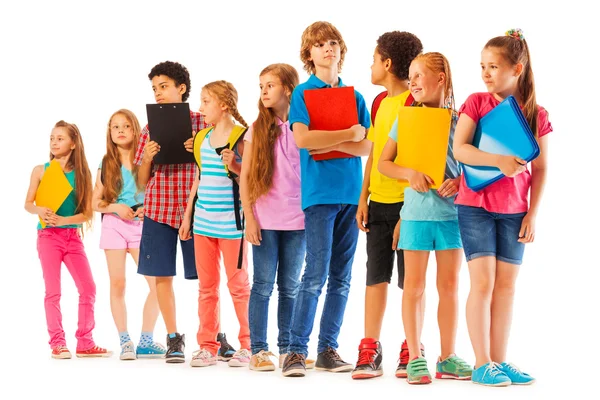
(170, 125)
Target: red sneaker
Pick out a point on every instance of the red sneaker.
(61, 353)
(404, 359)
(94, 352)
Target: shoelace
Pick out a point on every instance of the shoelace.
(61, 348)
(513, 368)
(176, 344)
(331, 354)
(264, 356)
(242, 353)
(366, 356)
(493, 369)
(202, 354)
(157, 346)
(292, 359)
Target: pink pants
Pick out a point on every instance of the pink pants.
(63, 245)
(208, 265)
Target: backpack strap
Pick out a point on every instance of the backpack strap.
(376, 104)
(409, 100)
(198, 139)
(102, 181)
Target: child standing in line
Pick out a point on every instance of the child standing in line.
(497, 222)
(429, 223)
(118, 198)
(218, 223)
(60, 242)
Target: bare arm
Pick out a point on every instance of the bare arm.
(538, 175)
(34, 183)
(364, 193)
(307, 139)
(190, 204)
(360, 149)
(386, 163)
(244, 195)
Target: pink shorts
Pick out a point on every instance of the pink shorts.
(119, 234)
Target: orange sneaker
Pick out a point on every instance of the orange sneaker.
(61, 353)
(93, 352)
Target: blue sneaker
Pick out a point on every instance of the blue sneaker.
(154, 350)
(490, 375)
(516, 376)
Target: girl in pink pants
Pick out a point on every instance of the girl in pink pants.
(59, 241)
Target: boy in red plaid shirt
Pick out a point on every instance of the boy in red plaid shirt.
(167, 190)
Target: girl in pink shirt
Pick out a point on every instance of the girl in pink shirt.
(496, 222)
(270, 193)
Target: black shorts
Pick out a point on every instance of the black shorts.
(380, 256)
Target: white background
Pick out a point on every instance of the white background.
(82, 61)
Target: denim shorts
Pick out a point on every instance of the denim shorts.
(486, 233)
(158, 251)
(429, 235)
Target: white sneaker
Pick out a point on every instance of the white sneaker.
(310, 364)
(203, 358)
(127, 351)
(241, 358)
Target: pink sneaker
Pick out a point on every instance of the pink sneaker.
(93, 352)
(61, 353)
(241, 358)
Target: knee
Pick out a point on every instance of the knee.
(413, 289)
(504, 288)
(262, 288)
(482, 287)
(117, 287)
(338, 286)
(288, 289)
(52, 297)
(448, 287)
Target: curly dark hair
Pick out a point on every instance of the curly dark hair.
(401, 48)
(175, 71)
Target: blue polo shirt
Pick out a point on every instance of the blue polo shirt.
(337, 181)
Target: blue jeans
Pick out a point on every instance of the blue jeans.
(280, 252)
(331, 235)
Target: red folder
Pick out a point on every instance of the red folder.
(331, 109)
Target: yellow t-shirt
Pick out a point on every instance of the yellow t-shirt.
(383, 189)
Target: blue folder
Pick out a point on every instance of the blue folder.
(504, 130)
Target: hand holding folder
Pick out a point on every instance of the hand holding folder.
(423, 140)
(53, 190)
(504, 130)
(331, 109)
(170, 126)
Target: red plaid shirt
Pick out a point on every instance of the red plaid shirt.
(168, 189)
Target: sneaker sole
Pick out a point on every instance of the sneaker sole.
(61, 356)
(295, 372)
(127, 356)
(150, 355)
(424, 380)
(523, 383)
(345, 368)
(236, 363)
(445, 375)
(202, 365)
(105, 355)
(175, 360)
(501, 384)
(402, 374)
(262, 369)
(225, 359)
(366, 374)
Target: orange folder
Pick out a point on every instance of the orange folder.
(331, 109)
(423, 140)
(53, 190)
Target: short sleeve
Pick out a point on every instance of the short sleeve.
(249, 133)
(472, 107)
(394, 131)
(544, 125)
(363, 112)
(298, 110)
(139, 153)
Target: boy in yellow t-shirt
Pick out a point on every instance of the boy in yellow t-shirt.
(382, 198)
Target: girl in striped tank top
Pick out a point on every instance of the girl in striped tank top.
(215, 228)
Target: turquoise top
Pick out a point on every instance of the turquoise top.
(68, 208)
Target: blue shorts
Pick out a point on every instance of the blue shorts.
(429, 235)
(158, 251)
(486, 233)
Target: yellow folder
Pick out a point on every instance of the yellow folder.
(53, 190)
(423, 140)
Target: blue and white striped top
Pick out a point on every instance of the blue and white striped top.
(214, 215)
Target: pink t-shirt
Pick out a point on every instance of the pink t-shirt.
(280, 209)
(508, 195)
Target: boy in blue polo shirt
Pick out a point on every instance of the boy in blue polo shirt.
(330, 192)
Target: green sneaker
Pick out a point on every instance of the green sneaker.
(417, 372)
(453, 367)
